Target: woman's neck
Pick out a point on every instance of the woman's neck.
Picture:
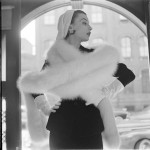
(74, 41)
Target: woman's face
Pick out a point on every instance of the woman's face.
(82, 27)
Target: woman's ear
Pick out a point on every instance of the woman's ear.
(71, 29)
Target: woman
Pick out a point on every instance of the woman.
(81, 81)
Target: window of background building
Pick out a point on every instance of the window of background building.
(126, 47)
(143, 46)
(96, 14)
(122, 18)
(68, 7)
(49, 18)
(145, 81)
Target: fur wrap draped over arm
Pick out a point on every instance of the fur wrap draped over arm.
(72, 73)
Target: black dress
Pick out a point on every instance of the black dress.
(78, 126)
(75, 126)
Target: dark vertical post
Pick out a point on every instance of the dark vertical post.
(13, 103)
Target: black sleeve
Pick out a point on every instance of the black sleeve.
(46, 64)
(123, 74)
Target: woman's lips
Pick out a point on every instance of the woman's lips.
(88, 33)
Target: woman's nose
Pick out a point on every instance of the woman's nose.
(90, 27)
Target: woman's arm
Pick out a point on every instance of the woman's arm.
(110, 134)
(36, 121)
(123, 77)
(63, 73)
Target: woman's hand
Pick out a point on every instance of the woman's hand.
(44, 106)
(56, 106)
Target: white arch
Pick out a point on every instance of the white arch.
(42, 10)
(102, 3)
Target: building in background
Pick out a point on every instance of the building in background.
(27, 56)
(111, 27)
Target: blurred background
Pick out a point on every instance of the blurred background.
(108, 26)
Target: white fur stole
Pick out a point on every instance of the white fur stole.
(73, 73)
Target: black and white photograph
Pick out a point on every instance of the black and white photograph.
(75, 74)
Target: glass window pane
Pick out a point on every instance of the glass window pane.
(126, 47)
(145, 81)
(135, 96)
(143, 46)
(49, 18)
(96, 14)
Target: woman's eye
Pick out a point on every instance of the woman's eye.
(84, 23)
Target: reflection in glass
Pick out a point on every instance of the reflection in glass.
(132, 103)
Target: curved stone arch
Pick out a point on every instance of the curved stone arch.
(102, 3)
